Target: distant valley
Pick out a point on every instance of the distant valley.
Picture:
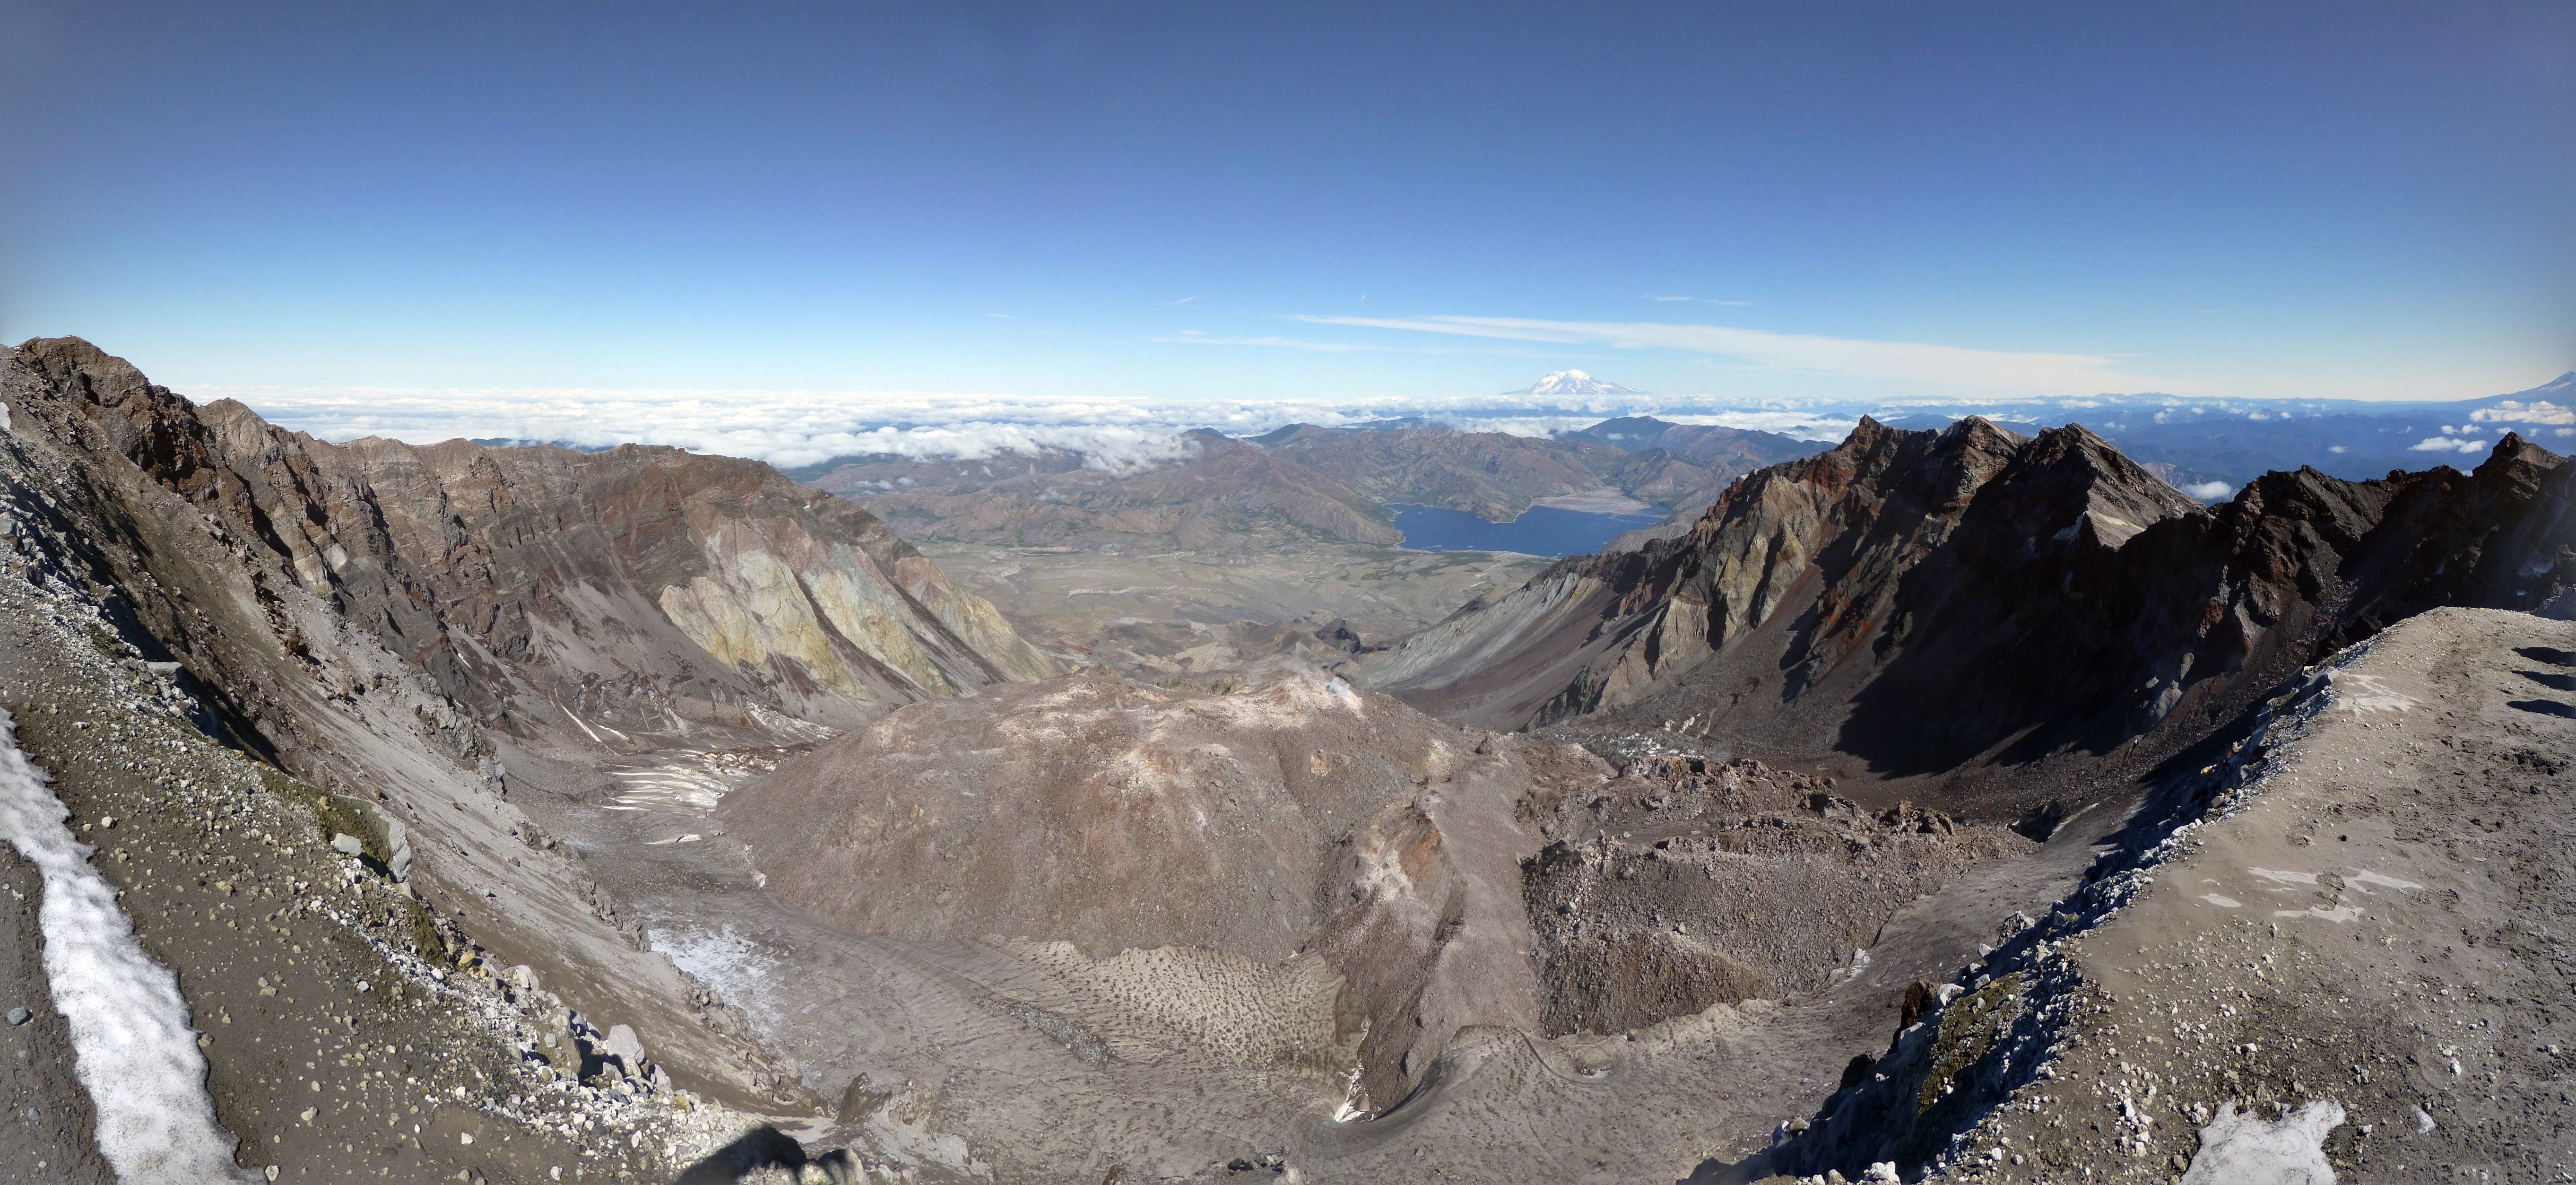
(1242, 549)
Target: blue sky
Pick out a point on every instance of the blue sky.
(1244, 202)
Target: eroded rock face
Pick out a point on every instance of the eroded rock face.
(373, 620)
(2014, 581)
(643, 589)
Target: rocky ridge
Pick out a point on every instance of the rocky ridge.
(2021, 580)
(2288, 963)
(421, 639)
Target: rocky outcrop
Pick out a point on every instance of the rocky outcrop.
(639, 589)
(439, 644)
(2047, 591)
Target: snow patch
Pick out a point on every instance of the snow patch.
(724, 961)
(2362, 694)
(1351, 1108)
(2340, 913)
(2222, 902)
(2367, 877)
(2244, 1150)
(133, 1048)
(2284, 876)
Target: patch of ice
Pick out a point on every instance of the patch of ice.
(2386, 882)
(674, 784)
(2283, 876)
(2244, 1150)
(585, 729)
(1351, 1109)
(2221, 901)
(2362, 694)
(724, 961)
(2340, 913)
(132, 1047)
(792, 728)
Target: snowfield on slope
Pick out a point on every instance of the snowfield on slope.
(138, 1056)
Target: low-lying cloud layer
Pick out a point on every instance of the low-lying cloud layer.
(790, 428)
(796, 428)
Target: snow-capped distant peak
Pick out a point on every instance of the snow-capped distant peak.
(1574, 382)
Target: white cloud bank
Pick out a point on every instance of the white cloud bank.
(1958, 366)
(132, 1047)
(2512, 411)
(793, 428)
(2210, 491)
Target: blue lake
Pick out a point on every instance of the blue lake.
(1540, 530)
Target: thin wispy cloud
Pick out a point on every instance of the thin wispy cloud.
(1193, 337)
(1959, 366)
(1185, 300)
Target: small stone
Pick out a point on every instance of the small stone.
(19, 1016)
(347, 844)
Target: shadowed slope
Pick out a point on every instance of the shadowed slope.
(2046, 592)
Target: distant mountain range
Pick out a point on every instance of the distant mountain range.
(1329, 484)
(2212, 446)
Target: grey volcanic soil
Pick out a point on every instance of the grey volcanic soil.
(2362, 907)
